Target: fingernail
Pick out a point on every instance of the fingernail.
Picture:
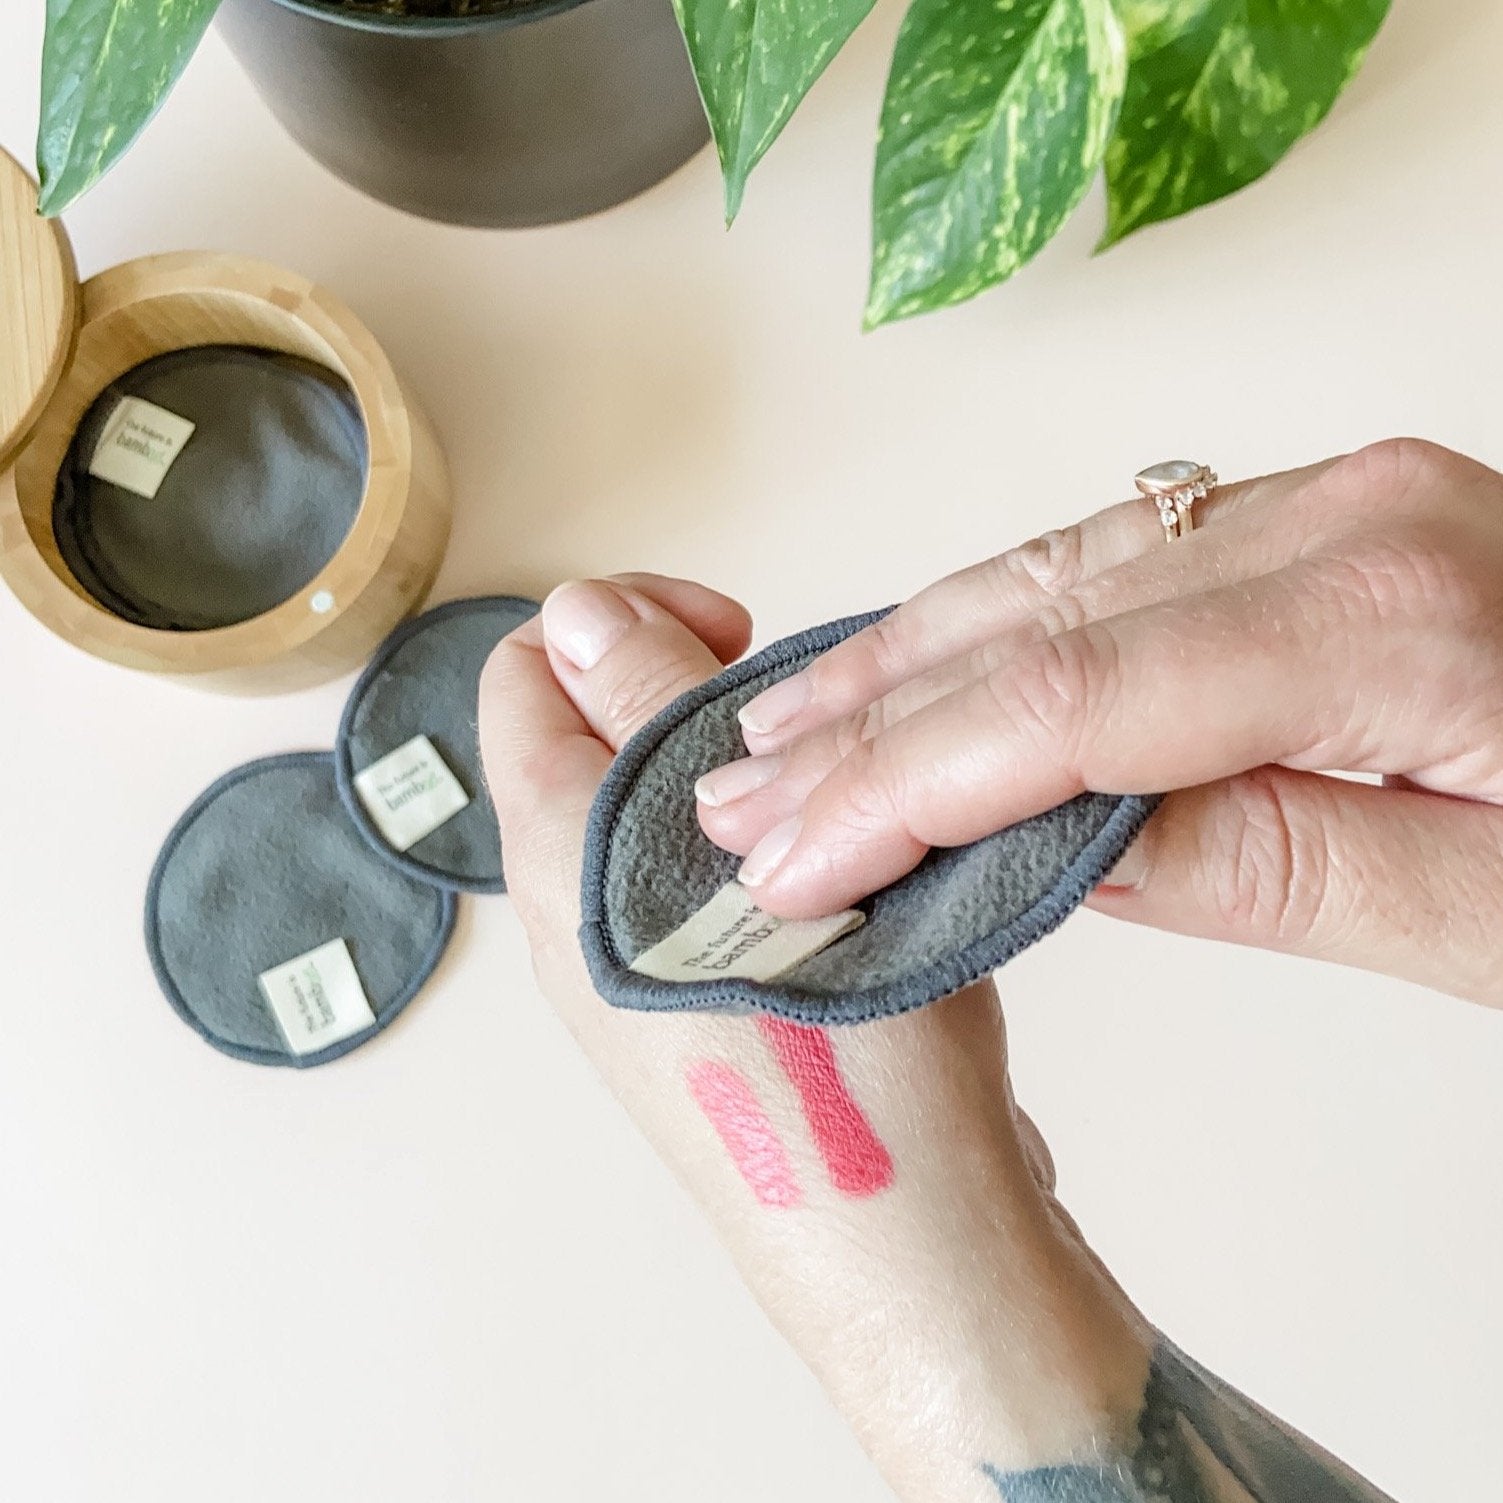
(1129, 870)
(584, 619)
(736, 779)
(775, 706)
(767, 855)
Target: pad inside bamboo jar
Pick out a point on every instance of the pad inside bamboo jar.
(218, 474)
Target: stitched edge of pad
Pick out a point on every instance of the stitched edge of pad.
(449, 905)
(344, 771)
(623, 987)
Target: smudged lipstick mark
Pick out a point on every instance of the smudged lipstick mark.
(858, 1162)
(725, 1096)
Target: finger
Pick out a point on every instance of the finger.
(1167, 697)
(543, 759)
(622, 656)
(722, 624)
(743, 801)
(1388, 879)
(1040, 579)
(524, 710)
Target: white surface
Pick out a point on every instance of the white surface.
(446, 1269)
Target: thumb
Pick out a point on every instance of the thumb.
(1385, 879)
(548, 727)
(621, 653)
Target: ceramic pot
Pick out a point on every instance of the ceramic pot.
(547, 111)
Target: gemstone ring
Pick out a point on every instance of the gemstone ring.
(1174, 487)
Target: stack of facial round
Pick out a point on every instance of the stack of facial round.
(237, 522)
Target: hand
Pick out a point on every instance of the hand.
(554, 710)
(946, 1301)
(1348, 616)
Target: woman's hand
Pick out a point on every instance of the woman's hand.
(1348, 616)
(941, 1295)
(948, 1303)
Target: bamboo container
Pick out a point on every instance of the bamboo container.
(62, 344)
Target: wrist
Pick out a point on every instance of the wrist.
(956, 1318)
(946, 1304)
(956, 1344)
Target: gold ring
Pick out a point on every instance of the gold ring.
(1174, 487)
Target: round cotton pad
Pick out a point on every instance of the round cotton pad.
(258, 499)
(274, 930)
(955, 918)
(408, 752)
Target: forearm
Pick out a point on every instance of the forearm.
(891, 1220)
(887, 1217)
(873, 1182)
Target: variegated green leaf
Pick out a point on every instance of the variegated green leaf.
(107, 65)
(996, 117)
(755, 60)
(1218, 91)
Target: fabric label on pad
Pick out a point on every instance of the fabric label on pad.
(731, 936)
(317, 998)
(140, 443)
(409, 793)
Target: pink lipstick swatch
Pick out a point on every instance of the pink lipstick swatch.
(725, 1096)
(858, 1162)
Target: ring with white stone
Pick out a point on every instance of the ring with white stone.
(1174, 487)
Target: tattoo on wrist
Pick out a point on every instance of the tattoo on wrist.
(1199, 1441)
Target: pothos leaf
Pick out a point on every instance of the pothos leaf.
(996, 117)
(107, 65)
(1218, 91)
(755, 60)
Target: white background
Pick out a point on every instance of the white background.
(446, 1269)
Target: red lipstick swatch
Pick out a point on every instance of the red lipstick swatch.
(858, 1162)
(725, 1096)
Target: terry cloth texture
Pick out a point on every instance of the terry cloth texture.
(256, 503)
(957, 917)
(424, 681)
(264, 867)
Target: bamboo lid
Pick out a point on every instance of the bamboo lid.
(38, 307)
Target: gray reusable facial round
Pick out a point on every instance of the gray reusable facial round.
(958, 916)
(256, 502)
(275, 931)
(424, 682)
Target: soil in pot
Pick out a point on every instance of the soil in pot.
(451, 10)
(209, 485)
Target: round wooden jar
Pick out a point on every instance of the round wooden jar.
(61, 345)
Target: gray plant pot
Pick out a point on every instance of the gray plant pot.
(549, 111)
